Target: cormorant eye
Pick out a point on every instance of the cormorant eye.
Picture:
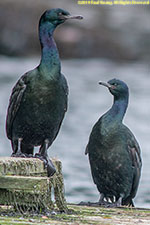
(61, 15)
(115, 84)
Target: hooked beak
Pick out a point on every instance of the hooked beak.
(105, 84)
(66, 17)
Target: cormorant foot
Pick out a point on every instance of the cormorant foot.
(101, 203)
(116, 204)
(47, 164)
(89, 203)
(104, 203)
(22, 155)
(111, 205)
(108, 204)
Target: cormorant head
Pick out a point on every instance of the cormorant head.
(117, 88)
(57, 16)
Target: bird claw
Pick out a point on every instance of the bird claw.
(47, 164)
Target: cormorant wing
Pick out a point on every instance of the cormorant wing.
(94, 133)
(66, 89)
(135, 154)
(14, 103)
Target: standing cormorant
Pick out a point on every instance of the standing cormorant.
(39, 99)
(114, 153)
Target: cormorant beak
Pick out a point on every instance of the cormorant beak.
(66, 17)
(105, 84)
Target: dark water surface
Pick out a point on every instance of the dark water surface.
(87, 102)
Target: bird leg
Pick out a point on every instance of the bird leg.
(118, 203)
(102, 202)
(42, 155)
(106, 201)
(17, 149)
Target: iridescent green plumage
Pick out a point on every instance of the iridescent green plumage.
(114, 153)
(39, 99)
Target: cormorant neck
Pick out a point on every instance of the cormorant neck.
(119, 108)
(50, 63)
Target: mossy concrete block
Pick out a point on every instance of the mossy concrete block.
(26, 201)
(24, 182)
(57, 183)
(37, 184)
(22, 166)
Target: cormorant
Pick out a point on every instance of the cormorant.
(114, 153)
(38, 101)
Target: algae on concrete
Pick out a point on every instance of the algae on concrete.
(25, 186)
(79, 215)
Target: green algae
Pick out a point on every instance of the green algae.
(79, 215)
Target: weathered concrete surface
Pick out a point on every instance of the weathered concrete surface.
(24, 182)
(79, 215)
(21, 166)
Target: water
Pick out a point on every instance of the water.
(87, 102)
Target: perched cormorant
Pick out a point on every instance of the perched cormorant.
(39, 99)
(114, 153)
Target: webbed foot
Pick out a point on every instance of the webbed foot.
(21, 155)
(116, 204)
(111, 202)
(47, 164)
(44, 157)
(89, 203)
(105, 201)
(18, 154)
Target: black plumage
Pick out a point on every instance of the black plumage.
(114, 153)
(39, 99)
